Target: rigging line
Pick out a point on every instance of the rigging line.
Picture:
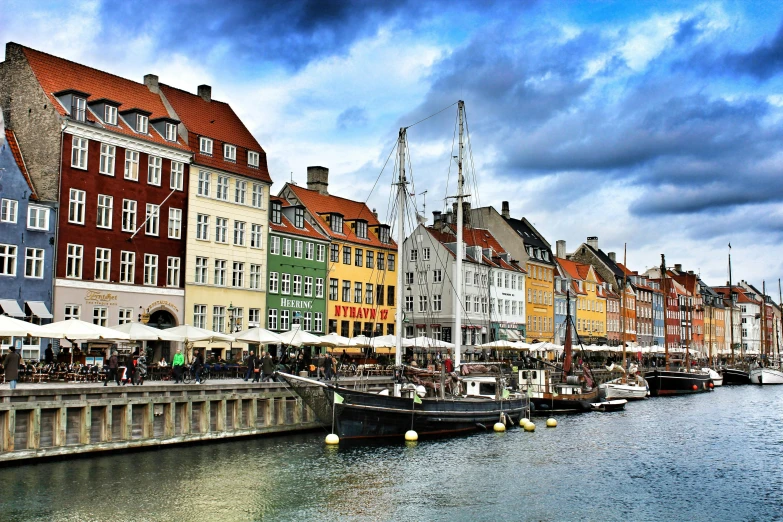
(431, 115)
(375, 184)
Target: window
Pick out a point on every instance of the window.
(423, 303)
(299, 218)
(218, 318)
(172, 272)
(107, 159)
(414, 255)
(285, 284)
(276, 213)
(346, 255)
(256, 234)
(271, 321)
(437, 303)
(9, 210)
(200, 316)
(153, 220)
(361, 229)
(177, 175)
(320, 253)
(274, 279)
(100, 315)
(319, 287)
(346, 291)
(125, 315)
(128, 215)
(34, 263)
(379, 295)
(110, 114)
(255, 277)
(240, 189)
(336, 223)
(204, 179)
(252, 159)
(408, 278)
(286, 247)
(75, 207)
(201, 271)
(220, 272)
(284, 319)
(238, 320)
(202, 227)
(238, 275)
(79, 153)
(229, 152)
(391, 263)
(308, 286)
(369, 293)
(389, 296)
(408, 303)
(309, 251)
(150, 269)
(205, 146)
(37, 218)
(274, 245)
(73, 312)
(73, 261)
(423, 278)
(334, 253)
(258, 195)
(425, 253)
(142, 124)
(307, 322)
(222, 188)
(175, 223)
(102, 264)
(221, 230)
(437, 276)
(297, 290)
(127, 266)
(381, 261)
(254, 318)
(171, 131)
(154, 170)
(131, 165)
(105, 206)
(332, 289)
(357, 292)
(239, 233)
(359, 257)
(298, 249)
(384, 236)
(318, 322)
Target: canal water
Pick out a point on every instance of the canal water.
(716, 456)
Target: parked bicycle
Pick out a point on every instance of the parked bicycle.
(188, 375)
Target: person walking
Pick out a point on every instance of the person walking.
(177, 365)
(320, 363)
(256, 369)
(196, 367)
(113, 364)
(11, 364)
(268, 367)
(49, 355)
(251, 359)
(328, 367)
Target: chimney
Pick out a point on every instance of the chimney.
(506, 213)
(205, 91)
(465, 213)
(678, 267)
(318, 179)
(151, 81)
(612, 256)
(436, 218)
(593, 241)
(560, 248)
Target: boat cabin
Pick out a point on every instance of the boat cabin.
(539, 382)
(486, 387)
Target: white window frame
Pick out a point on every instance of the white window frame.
(37, 215)
(200, 316)
(100, 315)
(105, 211)
(102, 264)
(34, 262)
(175, 223)
(204, 182)
(296, 287)
(257, 199)
(239, 233)
(221, 230)
(154, 170)
(129, 209)
(201, 275)
(176, 175)
(79, 150)
(253, 159)
(108, 156)
(221, 188)
(319, 287)
(240, 191)
(10, 210)
(171, 131)
(255, 277)
(298, 247)
(271, 321)
(256, 236)
(125, 315)
(274, 282)
(274, 245)
(110, 114)
(8, 255)
(229, 152)
(76, 203)
(131, 165)
(238, 274)
(150, 269)
(74, 261)
(220, 272)
(320, 255)
(152, 228)
(286, 247)
(218, 318)
(172, 272)
(142, 124)
(72, 311)
(205, 146)
(285, 284)
(202, 227)
(127, 267)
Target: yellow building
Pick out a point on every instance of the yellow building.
(227, 218)
(363, 264)
(590, 297)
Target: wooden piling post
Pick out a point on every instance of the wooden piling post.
(61, 423)
(34, 429)
(169, 421)
(86, 423)
(107, 424)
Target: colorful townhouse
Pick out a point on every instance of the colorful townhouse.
(225, 270)
(613, 323)
(588, 291)
(714, 321)
(693, 316)
(644, 293)
(362, 262)
(297, 266)
(27, 231)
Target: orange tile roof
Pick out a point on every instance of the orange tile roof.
(217, 120)
(17, 153)
(570, 267)
(286, 227)
(319, 204)
(57, 74)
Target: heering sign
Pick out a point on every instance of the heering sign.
(296, 303)
(357, 312)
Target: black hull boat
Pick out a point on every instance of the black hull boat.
(565, 404)
(363, 415)
(734, 376)
(662, 382)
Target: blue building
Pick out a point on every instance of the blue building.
(27, 228)
(659, 327)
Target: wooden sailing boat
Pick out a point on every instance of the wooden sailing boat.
(401, 407)
(770, 373)
(731, 374)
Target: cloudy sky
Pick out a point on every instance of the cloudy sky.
(656, 124)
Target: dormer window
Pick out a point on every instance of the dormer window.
(171, 132)
(361, 229)
(205, 146)
(299, 218)
(336, 223)
(229, 152)
(78, 108)
(384, 235)
(252, 159)
(142, 123)
(276, 213)
(110, 114)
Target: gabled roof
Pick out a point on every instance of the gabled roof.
(218, 121)
(57, 74)
(286, 227)
(10, 137)
(531, 237)
(601, 255)
(478, 237)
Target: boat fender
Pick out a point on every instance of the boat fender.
(332, 439)
(695, 387)
(499, 427)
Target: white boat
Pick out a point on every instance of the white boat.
(717, 378)
(766, 376)
(632, 389)
(615, 405)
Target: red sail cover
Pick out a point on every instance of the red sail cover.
(567, 360)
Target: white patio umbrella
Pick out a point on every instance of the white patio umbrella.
(390, 341)
(501, 344)
(428, 342)
(259, 336)
(333, 339)
(192, 334)
(361, 340)
(15, 328)
(298, 337)
(142, 332)
(74, 329)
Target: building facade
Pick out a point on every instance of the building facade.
(590, 301)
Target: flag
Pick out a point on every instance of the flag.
(416, 399)
(506, 393)
(338, 399)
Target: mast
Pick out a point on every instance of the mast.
(622, 301)
(763, 321)
(731, 311)
(665, 312)
(567, 346)
(458, 304)
(777, 337)
(401, 182)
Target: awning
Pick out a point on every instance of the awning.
(511, 334)
(11, 307)
(38, 308)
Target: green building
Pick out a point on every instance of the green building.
(297, 268)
